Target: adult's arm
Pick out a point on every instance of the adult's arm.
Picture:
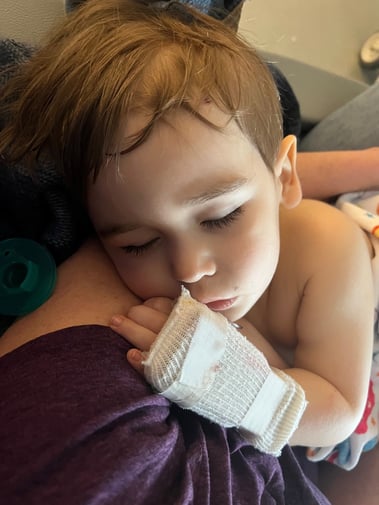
(326, 174)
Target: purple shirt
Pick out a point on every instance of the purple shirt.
(79, 426)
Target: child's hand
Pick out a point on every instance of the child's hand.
(141, 326)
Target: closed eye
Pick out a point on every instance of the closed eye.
(210, 224)
(138, 250)
(214, 224)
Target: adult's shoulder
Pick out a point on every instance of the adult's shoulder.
(78, 423)
(88, 291)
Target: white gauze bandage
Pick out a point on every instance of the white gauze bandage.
(202, 363)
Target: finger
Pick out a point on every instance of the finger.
(150, 318)
(135, 358)
(161, 304)
(133, 332)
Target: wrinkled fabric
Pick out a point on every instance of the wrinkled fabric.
(217, 8)
(79, 426)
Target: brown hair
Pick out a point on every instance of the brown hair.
(111, 57)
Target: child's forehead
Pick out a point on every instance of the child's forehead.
(206, 114)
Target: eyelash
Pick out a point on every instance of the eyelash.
(217, 224)
(211, 224)
(138, 250)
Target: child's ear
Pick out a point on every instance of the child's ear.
(286, 174)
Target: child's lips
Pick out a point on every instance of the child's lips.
(219, 305)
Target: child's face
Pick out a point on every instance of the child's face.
(191, 206)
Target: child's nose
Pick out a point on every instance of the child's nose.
(192, 262)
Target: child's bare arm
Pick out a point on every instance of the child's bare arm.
(332, 359)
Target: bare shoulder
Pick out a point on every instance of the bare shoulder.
(88, 291)
(322, 245)
(323, 253)
(333, 275)
(314, 226)
(314, 217)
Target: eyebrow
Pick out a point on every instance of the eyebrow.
(117, 229)
(220, 189)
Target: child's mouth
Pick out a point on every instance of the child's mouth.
(219, 305)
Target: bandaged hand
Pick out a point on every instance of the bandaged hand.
(202, 363)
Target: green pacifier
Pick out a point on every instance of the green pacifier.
(27, 276)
